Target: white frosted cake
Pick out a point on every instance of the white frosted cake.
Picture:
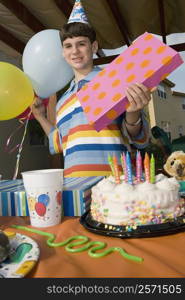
(138, 204)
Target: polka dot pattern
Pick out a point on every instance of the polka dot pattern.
(116, 82)
(85, 98)
(145, 63)
(147, 50)
(166, 60)
(102, 73)
(96, 86)
(148, 37)
(149, 73)
(97, 111)
(117, 97)
(87, 109)
(112, 114)
(164, 76)
(112, 73)
(129, 66)
(134, 52)
(131, 78)
(85, 87)
(102, 95)
(147, 60)
(119, 60)
(161, 49)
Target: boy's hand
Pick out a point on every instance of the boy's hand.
(138, 96)
(38, 108)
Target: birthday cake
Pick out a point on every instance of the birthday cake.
(137, 204)
(134, 200)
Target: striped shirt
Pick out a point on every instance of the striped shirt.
(84, 149)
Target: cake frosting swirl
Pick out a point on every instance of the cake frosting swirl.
(138, 204)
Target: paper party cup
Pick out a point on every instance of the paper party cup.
(44, 195)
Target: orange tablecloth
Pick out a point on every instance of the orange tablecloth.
(163, 256)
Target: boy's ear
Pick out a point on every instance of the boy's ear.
(95, 47)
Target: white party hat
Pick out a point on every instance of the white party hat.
(78, 13)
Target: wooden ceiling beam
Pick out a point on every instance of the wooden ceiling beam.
(10, 40)
(23, 14)
(65, 7)
(162, 19)
(104, 60)
(120, 20)
(178, 47)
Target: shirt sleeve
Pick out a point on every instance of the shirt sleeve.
(55, 141)
(139, 141)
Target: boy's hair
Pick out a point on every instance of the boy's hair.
(76, 29)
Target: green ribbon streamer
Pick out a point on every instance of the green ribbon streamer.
(81, 240)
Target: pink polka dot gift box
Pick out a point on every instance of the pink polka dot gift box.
(147, 61)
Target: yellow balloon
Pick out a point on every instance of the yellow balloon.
(16, 92)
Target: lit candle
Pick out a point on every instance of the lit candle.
(138, 167)
(116, 169)
(111, 164)
(152, 169)
(129, 168)
(125, 166)
(122, 164)
(147, 167)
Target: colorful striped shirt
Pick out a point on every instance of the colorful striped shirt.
(84, 149)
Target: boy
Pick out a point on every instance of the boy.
(84, 149)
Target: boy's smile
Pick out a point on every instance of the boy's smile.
(78, 52)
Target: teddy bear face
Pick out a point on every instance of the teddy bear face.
(175, 165)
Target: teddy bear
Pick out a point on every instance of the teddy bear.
(175, 165)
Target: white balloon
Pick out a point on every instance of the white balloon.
(44, 64)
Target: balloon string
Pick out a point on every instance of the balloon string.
(19, 146)
(20, 150)
(9, 140)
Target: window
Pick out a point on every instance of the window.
(161, 91)
(165, 125)
(180, 130)
(183, 105)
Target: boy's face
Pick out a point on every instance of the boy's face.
(78, 52)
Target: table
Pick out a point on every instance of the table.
(163, 256)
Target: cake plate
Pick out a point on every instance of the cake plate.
(144, 231)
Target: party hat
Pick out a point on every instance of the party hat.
(78, 13)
